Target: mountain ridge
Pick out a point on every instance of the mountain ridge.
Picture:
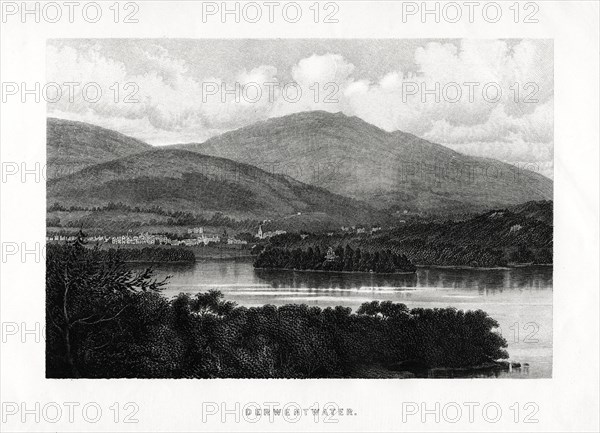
(180, 180)
(394, 172)
(351, 157)
(73, 145)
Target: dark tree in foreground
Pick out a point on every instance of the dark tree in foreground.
(86, 300)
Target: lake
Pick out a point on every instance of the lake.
(520, 299)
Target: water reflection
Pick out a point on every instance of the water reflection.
(443, 278)
(240, 275)
(516, 298)
(535, 277)
(322, 280)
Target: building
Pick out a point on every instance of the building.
(264, 235)
(330, 256)
(60, 238)
(275, 233)
(141, 239)
(190, 242)
(233, 241)
(225, 237)
(207, 239)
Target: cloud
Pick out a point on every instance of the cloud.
(174, 105)
(167, 97)
(322, 69)
(499, 126)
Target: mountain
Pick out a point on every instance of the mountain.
(180, 180)
(388, 170)
(72, 146)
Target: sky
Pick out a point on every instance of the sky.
(445, 91)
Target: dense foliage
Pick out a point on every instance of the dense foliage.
(342, 259)
(87, 304)
(495, 238)
(146, 254)
(105, 321)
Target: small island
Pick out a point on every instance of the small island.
(338, 260)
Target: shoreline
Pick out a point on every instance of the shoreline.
(398, 371)
(176, 262)
(477, 268)
(338, 272)
(227, 258)
(225, 254)
(202, 258)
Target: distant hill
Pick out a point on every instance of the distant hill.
(72, 146)
(331, 168)
(396, 170)
(498, 237)
(179, 180)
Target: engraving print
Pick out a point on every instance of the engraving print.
(300, 208)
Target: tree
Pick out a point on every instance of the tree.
(522, 255)
(83, 294)
(348, 259)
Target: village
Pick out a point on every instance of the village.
(196, 236)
